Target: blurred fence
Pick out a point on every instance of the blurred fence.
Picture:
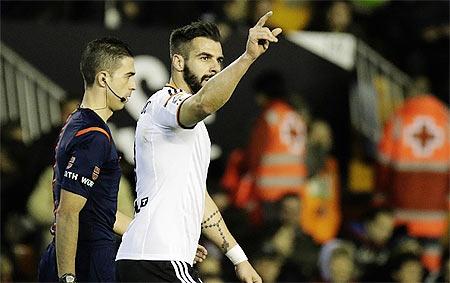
(379, 90)
(380, 87)
(27, 96)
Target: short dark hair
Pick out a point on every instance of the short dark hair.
(373, 212)
(179, 37)
(102, 54)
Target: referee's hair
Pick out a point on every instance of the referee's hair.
(179, 37)
(102, 54)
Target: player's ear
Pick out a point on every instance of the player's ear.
(178, 62)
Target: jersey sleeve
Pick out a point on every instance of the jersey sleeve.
(85, 160)
(167, 110)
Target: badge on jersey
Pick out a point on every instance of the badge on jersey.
(71, 162)
(175, 100)
(95, 173)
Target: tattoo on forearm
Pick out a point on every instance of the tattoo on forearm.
(210, 217)
(225, 245)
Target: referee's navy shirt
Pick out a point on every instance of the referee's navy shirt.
(87, 164)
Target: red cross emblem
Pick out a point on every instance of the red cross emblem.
(292, 131)
(424, 136)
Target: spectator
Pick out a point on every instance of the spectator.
(231, 16)
(321, 215)
(404, 244)
(297, 250)
(405, 268)
(257, 8)
(276, 150)
(413, 156)
(293, 252)
(336, 262)
(372, 243)
(338, 17)
(274, 163)
(268, 264)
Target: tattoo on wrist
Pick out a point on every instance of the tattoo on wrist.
(225, 245)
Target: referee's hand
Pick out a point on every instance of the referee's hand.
(246, 273)
(260, 36)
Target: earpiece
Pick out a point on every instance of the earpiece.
(122, 99)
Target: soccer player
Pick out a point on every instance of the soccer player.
(87, 172)
(172, 157)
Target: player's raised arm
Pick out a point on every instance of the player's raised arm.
(216, 92)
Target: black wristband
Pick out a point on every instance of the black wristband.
(68, 278)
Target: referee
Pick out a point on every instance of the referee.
(87, 173)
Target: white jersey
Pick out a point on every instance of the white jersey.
(171, 168)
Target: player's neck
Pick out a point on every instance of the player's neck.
(97, 102)
(179, 83)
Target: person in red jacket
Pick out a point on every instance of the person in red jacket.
(413, 177)
(275, 155)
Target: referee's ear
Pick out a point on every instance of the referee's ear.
(178, 62)
(101, 79)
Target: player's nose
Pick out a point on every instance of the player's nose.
(215, 67)
(133, 84)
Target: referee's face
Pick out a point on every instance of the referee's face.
(204, 60)
(122, 82)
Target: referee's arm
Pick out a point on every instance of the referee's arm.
(121, 223)
(67, 215)
(214, 228)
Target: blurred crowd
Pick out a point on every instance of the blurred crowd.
(283, 195)
(411, 34)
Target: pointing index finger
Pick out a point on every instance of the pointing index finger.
(263, 19)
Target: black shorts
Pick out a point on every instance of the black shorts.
(155, 271)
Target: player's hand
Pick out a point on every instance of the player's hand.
(246, 273)
(259, 37)
(200, 255)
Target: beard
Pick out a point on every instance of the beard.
(194, 83)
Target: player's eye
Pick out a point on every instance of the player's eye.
(204, 58)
